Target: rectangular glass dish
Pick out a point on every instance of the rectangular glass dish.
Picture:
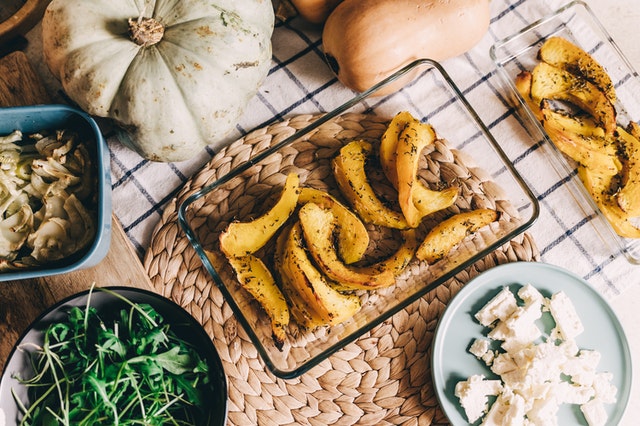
(519, 52)
(466, 154)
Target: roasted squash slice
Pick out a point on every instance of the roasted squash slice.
(332, 306)
(399, 260)
(389, 144)
(523, 86)
(413, 139)
(302, 312)
(449, 233)
(256, 279)
(318, 226)
(415, 199)
(353, 238)
(560, 52)
(549, 82)
(242, 238)
(400, 149)
(600, 187)
(581, 139)
(628, 196)
(349, 172)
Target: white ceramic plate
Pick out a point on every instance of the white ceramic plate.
(458, 328)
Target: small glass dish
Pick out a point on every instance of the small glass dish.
(248, 188)
(518, 52)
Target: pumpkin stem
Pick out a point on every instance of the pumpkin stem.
(145, 31)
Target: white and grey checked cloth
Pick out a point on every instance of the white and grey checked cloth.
(299, 82)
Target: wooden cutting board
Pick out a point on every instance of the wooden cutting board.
(22, 301)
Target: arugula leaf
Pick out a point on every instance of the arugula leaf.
(130, 370)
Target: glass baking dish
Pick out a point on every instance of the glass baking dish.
(248, 189)
(576, 23)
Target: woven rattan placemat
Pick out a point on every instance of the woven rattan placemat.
(381, 378)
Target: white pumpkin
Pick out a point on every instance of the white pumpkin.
(175, 74)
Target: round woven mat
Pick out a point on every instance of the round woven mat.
(381, 378)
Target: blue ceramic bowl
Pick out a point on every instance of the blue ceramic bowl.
(32, 119)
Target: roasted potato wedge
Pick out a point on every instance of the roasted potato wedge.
(600, 187)
(561, 53)
(349, 173)
(353, 238)
(242, 238)
(581, 139)
(549, 82)
(628, 196)
(449, 233)
(312, 286)
(318, 226)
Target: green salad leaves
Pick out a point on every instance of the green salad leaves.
(124, 367)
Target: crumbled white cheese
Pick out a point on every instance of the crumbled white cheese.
(570, 393)
(537, 374)
(530, 295)
(479, 347)
(544, 411)
(582, 368)
(473, 394)
(509, 408)
(594, 412)
(604, 389)
(565, 316)
(499, 308)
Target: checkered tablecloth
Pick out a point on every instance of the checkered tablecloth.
(299, 82)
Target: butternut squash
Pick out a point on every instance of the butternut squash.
(365, 41)
(315, 11)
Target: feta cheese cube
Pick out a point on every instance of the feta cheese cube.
(503, 363)
(544, 412)
(509, 409)
(489, 357)
(594, 413)
(479, 348)
(500, 332)
(582, 368)
(530, 295)
(473, 394)
(605, 391)
(564, 314)
(499, 308)
(515, 413)
(574, 394)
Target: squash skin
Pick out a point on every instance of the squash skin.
(315, 11)
(175, 97)
(367, 40)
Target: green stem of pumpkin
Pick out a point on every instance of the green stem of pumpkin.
(145, 31)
